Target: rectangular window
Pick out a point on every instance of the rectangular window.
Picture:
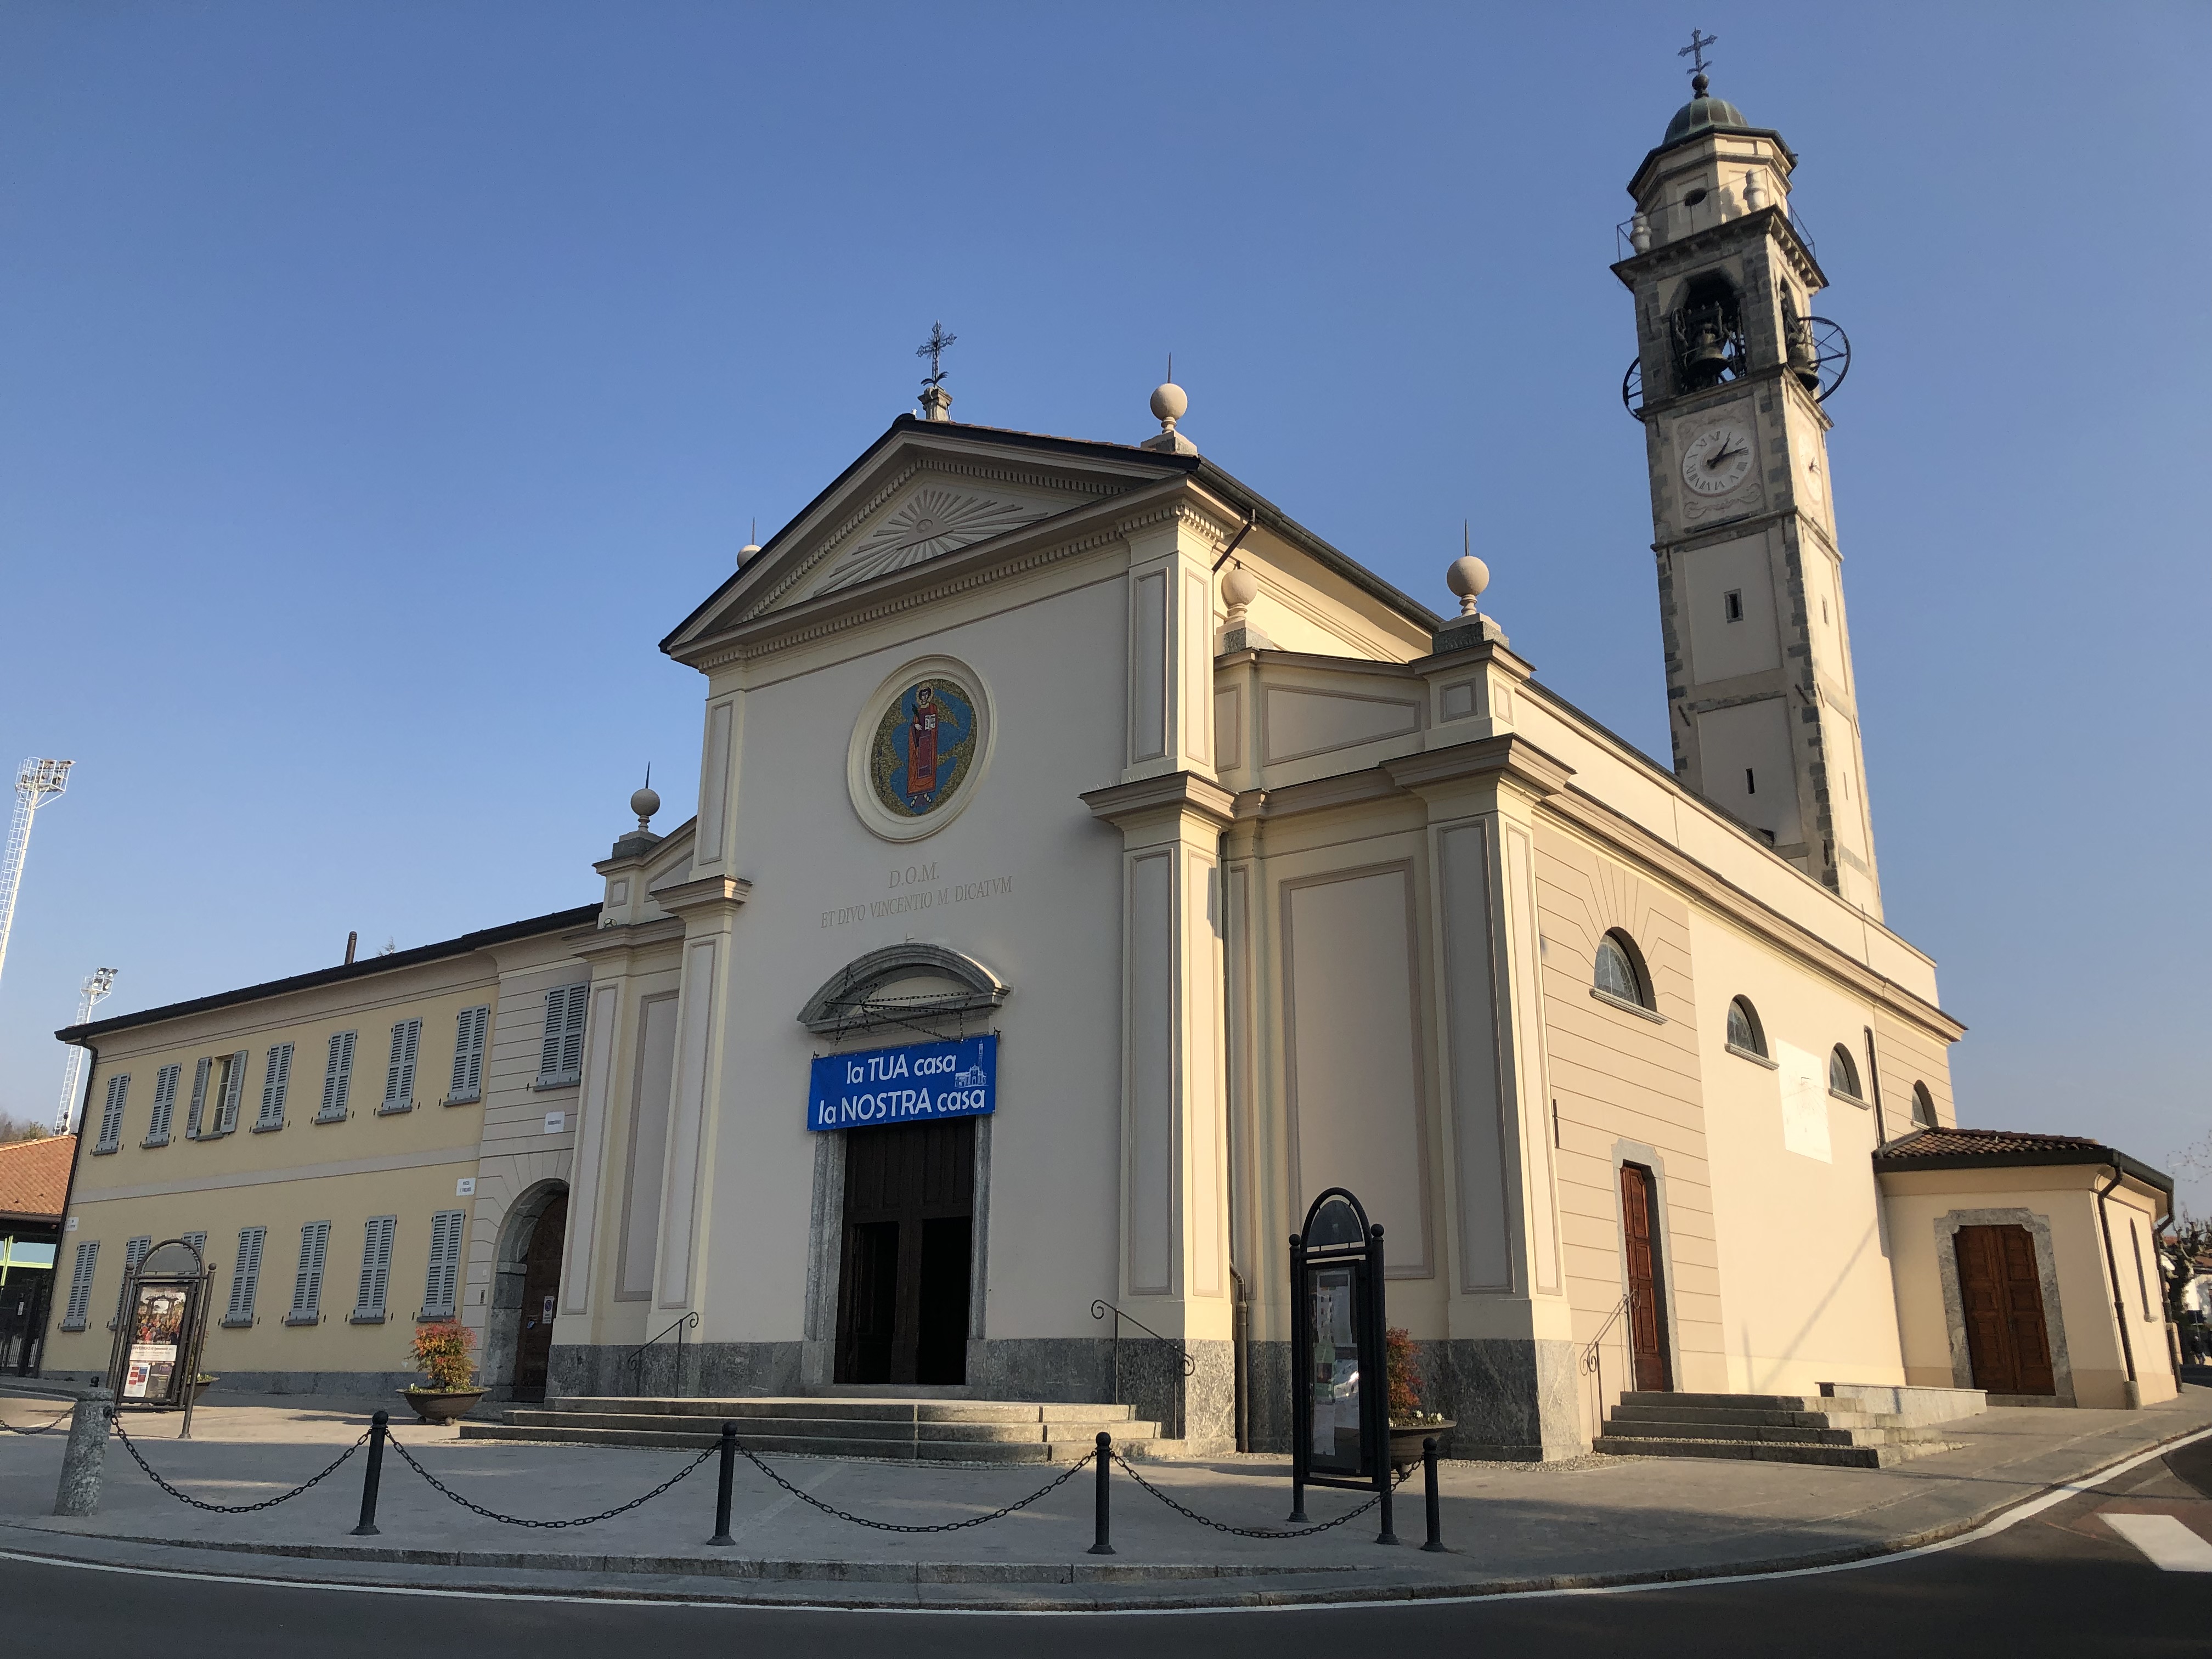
(111, 1116)
(133, 1254)
(1733, 601)
(338, 1078)
(245, 1275)
(1750, 781)
(275, 1083)
(468, 1056)
(399, 1077)
(440, 1289)
(79, 1295)
(376, 1269)
(165, 1105)
(560, 1055)
(307, 1287)
(200, 1098)
(234, 1085)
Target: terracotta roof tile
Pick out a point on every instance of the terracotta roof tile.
(34, 1175)
(1967, 1143)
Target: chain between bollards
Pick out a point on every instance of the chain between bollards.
(1435, 1505)
(722, 1490)
(1102, 1542)
(379, 1426)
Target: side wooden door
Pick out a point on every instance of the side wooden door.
(1647, 1315)
(2001, 1295)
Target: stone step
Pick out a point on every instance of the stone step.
(944, 1451)
(1852, 1457)
(1725, 1414)
(823, 1407)
(1749, 1402)
(1029, 1431)
(1769, 1434)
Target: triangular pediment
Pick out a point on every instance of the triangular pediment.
(929, 511)
(924, 492)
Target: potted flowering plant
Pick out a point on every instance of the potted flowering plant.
(1409, 1423)
(443, 1351)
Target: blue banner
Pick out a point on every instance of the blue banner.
(912, 1083)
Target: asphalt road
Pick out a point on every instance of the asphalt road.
(2063, 1580)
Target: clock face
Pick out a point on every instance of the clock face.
(1717, 459)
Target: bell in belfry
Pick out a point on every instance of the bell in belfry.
(1704, 345)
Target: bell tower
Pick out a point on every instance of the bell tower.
(1731, 375)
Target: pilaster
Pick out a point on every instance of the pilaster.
(1510, 1349)
(1174, 1265)
(708, 907)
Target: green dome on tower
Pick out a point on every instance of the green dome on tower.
(1699, 113)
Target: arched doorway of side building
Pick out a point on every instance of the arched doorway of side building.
(525, 1286)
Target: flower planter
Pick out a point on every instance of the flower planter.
(197, 1387)
(1406, 1441)
(445, 1405)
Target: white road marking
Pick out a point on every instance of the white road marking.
(2171, 1546)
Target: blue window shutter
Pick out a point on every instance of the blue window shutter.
(246, 1274)
(192, 1116)
(79, 1295)
(275, 1083)
(165, 1103)
(111, 1117)
(337, 1075)
(307, 1287)
(441, 1287)
(233, 1086)
(572, 1035)
(468, 1054)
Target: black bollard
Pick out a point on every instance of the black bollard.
(377, 1427)
(1102, 1524)
(722, 1491)
(1436, 1504)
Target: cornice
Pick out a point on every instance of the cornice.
(1703, 244)
(829, 543)
(1030, 547)
(1181, 791)
(1630, 841)
(1508, 752)
(706, 893)
(1519, 668)
(618, 937)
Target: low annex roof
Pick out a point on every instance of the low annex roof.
(582, 915)
(1969, 1149)
(35, 1178)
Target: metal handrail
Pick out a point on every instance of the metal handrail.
(1594, 1355)
(635, 1357)
(1100, 1307)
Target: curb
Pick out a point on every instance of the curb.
(844, 1590)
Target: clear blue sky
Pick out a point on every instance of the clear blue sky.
(379, 383)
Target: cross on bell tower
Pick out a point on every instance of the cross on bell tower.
(936, 401)
(1730, 381)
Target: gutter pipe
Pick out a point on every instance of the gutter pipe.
(2120, 1303)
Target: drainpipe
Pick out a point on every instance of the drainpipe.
(1240, 1333)
(2119, 1302)
(1874, 1079)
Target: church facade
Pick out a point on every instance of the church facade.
(1251, 876)
(1091, 866)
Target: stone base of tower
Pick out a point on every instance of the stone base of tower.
(1514, 1400)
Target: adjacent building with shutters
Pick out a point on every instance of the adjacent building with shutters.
(355, 1149)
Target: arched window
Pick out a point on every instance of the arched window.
(1744, 1030)
(1842, 1071)
(1924, 1106)
(1617, 972)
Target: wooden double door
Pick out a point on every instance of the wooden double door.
(909, 1244)
(541, 1289)
(2001, 1295)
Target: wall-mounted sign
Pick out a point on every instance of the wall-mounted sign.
(912, 1083)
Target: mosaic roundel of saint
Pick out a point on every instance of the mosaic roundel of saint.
(923, 749)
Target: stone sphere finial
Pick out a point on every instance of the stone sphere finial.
(1467, 577)
(645, 803)
(1239, 588)
(1169, 403)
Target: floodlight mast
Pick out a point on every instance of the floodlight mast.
(102, 981)
(37, 782)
